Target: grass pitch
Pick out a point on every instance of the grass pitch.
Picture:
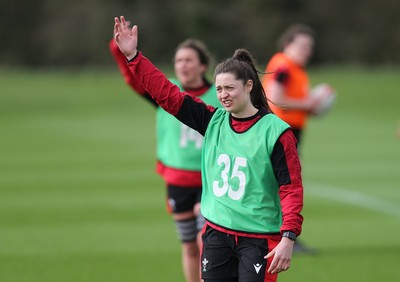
(80, 201)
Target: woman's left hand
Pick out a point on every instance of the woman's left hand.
(282, 256)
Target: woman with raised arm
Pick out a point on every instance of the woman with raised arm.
(252, 188)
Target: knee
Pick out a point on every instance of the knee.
(187, 229)
(190, 249)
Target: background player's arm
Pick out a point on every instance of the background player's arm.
(276, 93)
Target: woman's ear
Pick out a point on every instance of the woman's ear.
(249, 85)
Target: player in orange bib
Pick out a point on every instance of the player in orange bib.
(287, 86)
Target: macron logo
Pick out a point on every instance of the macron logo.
(257, 267)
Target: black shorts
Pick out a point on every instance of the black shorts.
(228, 257)
(182, 199)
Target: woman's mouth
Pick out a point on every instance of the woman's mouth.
(227, 103)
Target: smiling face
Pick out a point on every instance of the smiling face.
(234, 95)
(188, 68)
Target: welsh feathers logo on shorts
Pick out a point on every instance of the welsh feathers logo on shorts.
(204, 264)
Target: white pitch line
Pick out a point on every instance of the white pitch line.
(350, 197)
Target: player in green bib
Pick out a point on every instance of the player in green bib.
(244, 180)
(252, 188)
(179, 147)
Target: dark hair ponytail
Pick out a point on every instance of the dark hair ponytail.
(242, 66)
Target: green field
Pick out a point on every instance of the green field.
(80, 201)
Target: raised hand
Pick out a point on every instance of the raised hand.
(125, 37)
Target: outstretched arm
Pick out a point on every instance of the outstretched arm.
(153, 81)
(188, 109)
(121, 61)
(130, 79)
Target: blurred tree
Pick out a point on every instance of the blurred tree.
(75, 33)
